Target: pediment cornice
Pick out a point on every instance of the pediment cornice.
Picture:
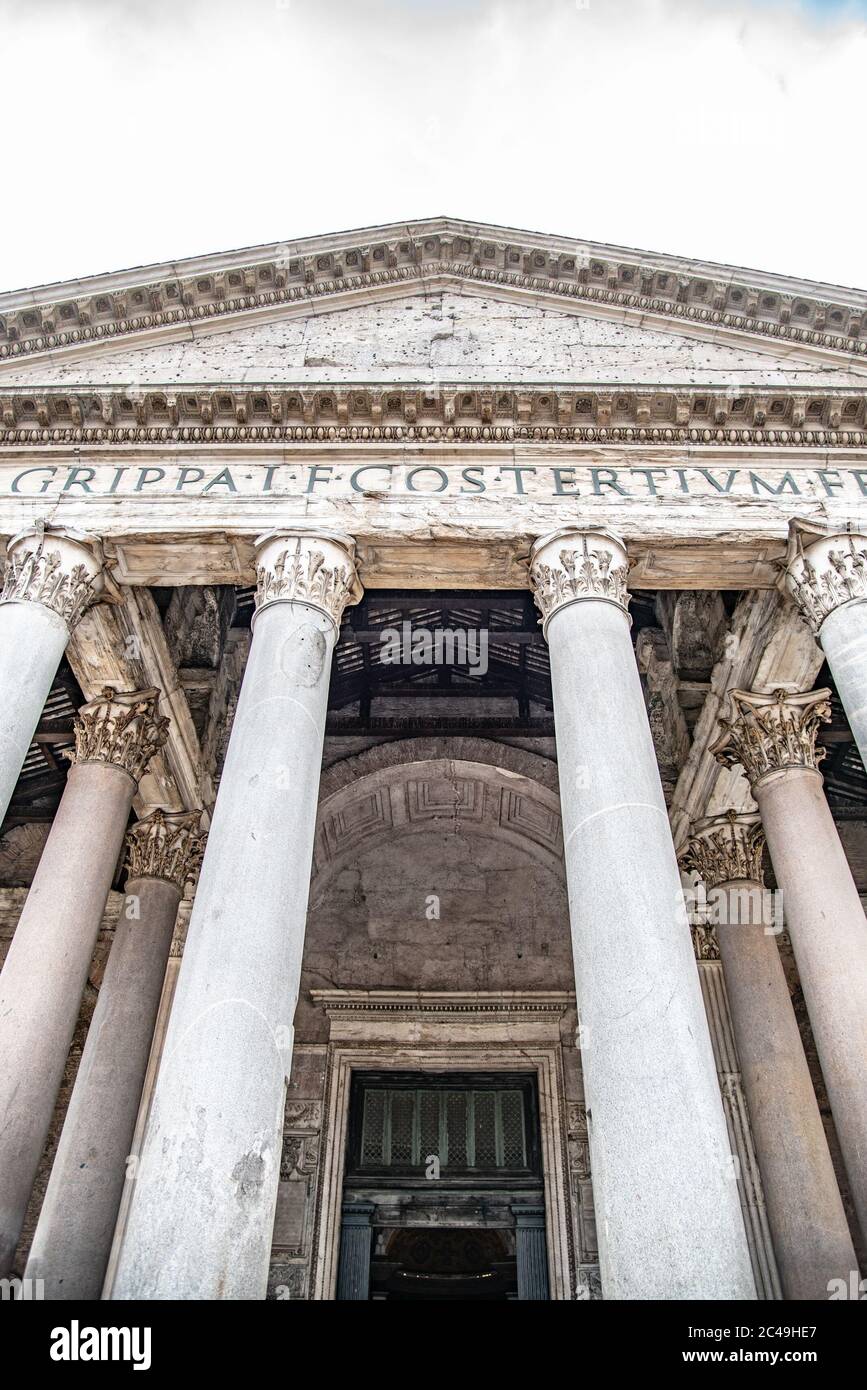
(447, 413)
(182, 299)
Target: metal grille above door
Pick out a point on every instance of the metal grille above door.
(471, 1129)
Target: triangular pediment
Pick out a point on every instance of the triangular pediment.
(441, 336)
(474, 301)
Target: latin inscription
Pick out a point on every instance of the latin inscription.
(375, 480)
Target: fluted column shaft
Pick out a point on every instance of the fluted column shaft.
(76, 1223)
(808, 1223)
(200, 1222)
(665, 1193)
(531, 1253)
(774, 739)
(49, 581)
(46, 968)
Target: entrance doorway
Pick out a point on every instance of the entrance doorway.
(444, 1266)
(443, 1195)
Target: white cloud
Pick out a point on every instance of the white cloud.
(146, 131)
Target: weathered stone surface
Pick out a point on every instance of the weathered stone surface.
(667, 720)
(695, 624)
(440, 336)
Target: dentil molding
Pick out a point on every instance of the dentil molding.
(243, 286)
(450, 412)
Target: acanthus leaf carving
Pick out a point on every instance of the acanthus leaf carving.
(316, 570)
(167, 845)
(726, 848)
(55, 570)
(705, 942)
(824, 570)
(770, 732)
(571, 565)
(303, 1114)
(300, 1156)
(122, 728)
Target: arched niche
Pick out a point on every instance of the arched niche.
(415, 786)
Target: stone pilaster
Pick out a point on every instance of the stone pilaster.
(655, 1118)
(744, 1160)
(49, 581)
(204, 1230)
(46, 968)
(356, 1234)
(826, 575)
(531, 1253)
(773, 737)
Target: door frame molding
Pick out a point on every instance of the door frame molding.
(395, 1030)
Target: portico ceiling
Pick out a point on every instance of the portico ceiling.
(512, 698)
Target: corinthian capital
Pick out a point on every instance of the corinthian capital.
(571, 566)
(61, 571)
(121, 728)
(726, 848)
(767, 733)
(825, 568)
(165, 844)
(312, 567)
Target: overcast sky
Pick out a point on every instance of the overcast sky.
(146, 130)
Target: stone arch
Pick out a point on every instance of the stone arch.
(414, 785)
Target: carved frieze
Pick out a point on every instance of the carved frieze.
(769, 732)
(123, 728)
(726, 848)
(389, 413)
(705, 942)
(165, 844)
(569, 566)
(300, 1155)
(309, 568)
(588, 1284)
(304, 1115)
(286, 1280)
(578, 1139)
(824, 569)
(54, 569)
